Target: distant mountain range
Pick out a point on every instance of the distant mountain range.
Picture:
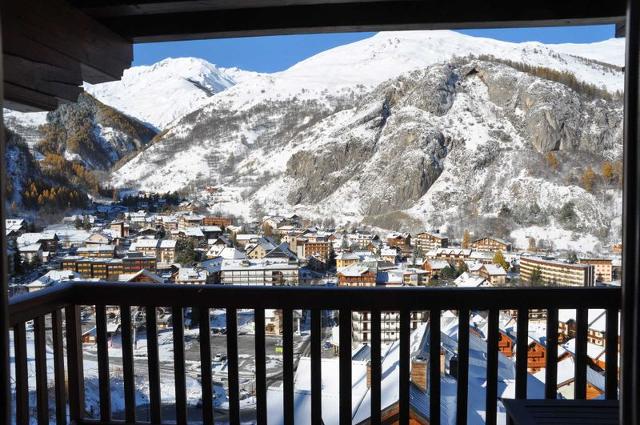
(403, 130)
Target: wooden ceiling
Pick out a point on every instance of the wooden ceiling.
(162, 20)
(51, 46)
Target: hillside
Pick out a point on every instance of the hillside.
(403, 130)
(71, 148)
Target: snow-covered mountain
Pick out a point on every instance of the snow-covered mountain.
(409, 129)
(160, 93)
(417, 129)
(608, 51)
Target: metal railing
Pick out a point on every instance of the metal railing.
(69, 297)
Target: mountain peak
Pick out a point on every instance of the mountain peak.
(183, 82)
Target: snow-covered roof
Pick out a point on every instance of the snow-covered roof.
(258, 264)
(190, 273)
(32, 238)
(211, 229)
(347, 256)
(438, 264)
(230, 253)
(53, 277)
(168, 243)
(354, 270)
(96, 248)
(466, 280)
(128, 277)
(494, 270)
(34, 247)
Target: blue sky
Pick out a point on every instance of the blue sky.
(276, 53)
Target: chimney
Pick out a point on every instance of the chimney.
(419, 372)
(369, 374)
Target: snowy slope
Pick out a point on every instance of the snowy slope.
(388, 54)
(160, 93)
(358, 67)
(608, 51)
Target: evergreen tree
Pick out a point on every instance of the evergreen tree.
(185, 252)
(536, 277)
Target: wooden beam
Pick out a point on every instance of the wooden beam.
(163, 21)
(50, 48)
(630, 350)
(5, 391)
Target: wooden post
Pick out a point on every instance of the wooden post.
(630, 367)
(5, 402)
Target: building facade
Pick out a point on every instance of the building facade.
(557, 272)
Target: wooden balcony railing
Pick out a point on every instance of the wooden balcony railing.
(62, 306)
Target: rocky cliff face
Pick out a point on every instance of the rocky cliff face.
(461, 144)
(406, 130)
(92, 133)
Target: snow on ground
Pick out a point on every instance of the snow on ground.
(608, 51)
(160, 93)
(562, 239)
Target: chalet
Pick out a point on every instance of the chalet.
(216, 246)
(193, 233)
(211, 232)
(536, 355)
(357, 275)
(467, 280)
(282, 251)
(141, 276)
(244, 239)
(402, 241)
(273, 222)
(491, 244)
(212, 220)
(99, 239)
(169, 223)
(319, 249)
(119, 228)
(473, 267)
(389, 254)
(361, 240)
(97, 251)
(260, 248)
(603, 268)
(345, 259)
(506, 343)
(452, 255)
(48, 240)
(434, 267)
(32, 253)
(190, 220)
(148, 247)
(191, 276)
(316, 264)
(493, 273)
(167, 251)
(52, 277)
(566, 379)
(414, 277)
(147, 232)
(426, 241)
